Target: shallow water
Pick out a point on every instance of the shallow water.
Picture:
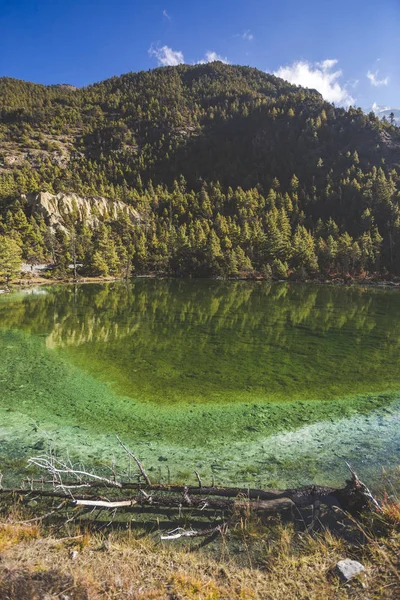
(273, 384)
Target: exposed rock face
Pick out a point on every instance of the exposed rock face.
(54, 208)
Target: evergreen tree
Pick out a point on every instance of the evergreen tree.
(10, 258)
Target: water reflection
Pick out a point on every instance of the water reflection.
(195, 341)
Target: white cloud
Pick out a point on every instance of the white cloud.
(166, 15)
(247, 35)
(328, 64)
(386, 111)
(377, 108)
(353, 83)
(212, 57)
(166, 56)
(319, 76)
(373, 77)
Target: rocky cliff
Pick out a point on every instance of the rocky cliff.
(55, 208)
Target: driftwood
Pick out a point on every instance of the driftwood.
(352, 498)
(179, 532)
(83, 489)
(105, 503)
(210, 502)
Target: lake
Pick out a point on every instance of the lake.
(246, 382)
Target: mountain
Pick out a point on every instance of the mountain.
(206, 122)
(229, 168)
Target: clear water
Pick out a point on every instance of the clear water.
(268, 384)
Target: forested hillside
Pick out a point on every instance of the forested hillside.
(232, 171)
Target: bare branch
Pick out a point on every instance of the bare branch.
(42, 517)
(104, 504)
(44, 463)
(362, 489)
(179, 532)
(137, 461)
(199, 479)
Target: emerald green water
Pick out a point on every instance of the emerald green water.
(275, 384)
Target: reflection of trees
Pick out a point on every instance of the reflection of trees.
(200, 336)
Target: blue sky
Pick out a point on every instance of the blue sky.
(349, 50)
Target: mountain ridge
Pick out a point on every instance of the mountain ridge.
(141, 119)
(387, 112)
(237, 165)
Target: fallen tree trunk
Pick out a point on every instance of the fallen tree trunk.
(351, 498)
(105, 494)
(161, 501)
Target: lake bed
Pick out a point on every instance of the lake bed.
(246, 382)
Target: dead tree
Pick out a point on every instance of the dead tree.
(83, 489)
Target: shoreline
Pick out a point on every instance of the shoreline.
(35, 281)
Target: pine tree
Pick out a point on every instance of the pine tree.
(304, 257)
(10, 258)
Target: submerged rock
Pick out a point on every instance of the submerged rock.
(39, 445)
(347, 569)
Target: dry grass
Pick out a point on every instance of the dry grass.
(11, 534)
(255, 562)
(391, 510)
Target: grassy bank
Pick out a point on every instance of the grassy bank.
(255, 560)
